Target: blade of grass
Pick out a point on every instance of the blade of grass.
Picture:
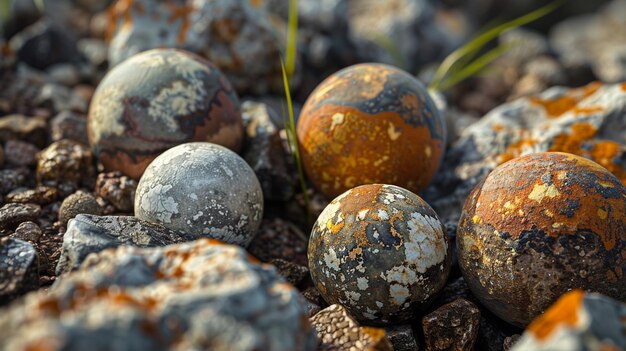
(475, 67)
(5, 10)
(293, 141)
(479, 41)
(41, 7)
(292, 34)
(391, 48)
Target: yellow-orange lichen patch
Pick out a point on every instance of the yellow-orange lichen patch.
(362, 150)
(564, 313)
(516, 150)
(550, 188)
(571, 142)
(569, 103)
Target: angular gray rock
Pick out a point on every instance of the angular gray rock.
(577, 321)
(88, 234)
(19, 269)
(586, 121)
(192, 296)
(264, 151)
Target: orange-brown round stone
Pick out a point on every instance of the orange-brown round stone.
(370, 123)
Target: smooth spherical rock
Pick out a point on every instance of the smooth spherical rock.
(539, 226)
(156, 100)
(370, 123)
(380, 251)
(202, 188)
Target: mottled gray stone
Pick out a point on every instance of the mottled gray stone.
(69, 125)
(264, 151)
(88, 234)
(19, 271)
(13, 214)
(41, 195)
(200, 295)
(577, 321)
(233, 34)
(204, 189)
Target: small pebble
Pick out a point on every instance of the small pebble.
(80, 202)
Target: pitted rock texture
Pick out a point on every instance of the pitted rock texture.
(538, 226)
(586, 121)
(578, 321)
(19, 269)
(453, 326)
(233, 34)
(202, 189)
(190, 296)
(11, 215)
(88, 234)
(117, 189)
(380, 251)
(597, 39)
(65, 161)
(80, 202)
(264, 151)
(156, 100)
(337, 330)
(361, 126)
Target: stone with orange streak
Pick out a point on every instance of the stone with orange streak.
(156, 100)
(370, 123)
(381, 252)
(577, 321)
(586, 121)
(541, 225)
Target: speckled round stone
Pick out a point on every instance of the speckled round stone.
(539, 226)
(202, 188)
(381, 252)
(158, 99)
(370, 123)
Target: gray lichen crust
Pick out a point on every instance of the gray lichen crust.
(380, 251)
(202, 189)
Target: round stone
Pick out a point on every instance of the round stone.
(202, 188)
(539, 226)
(158, 99)
(370, 123)
(381, 252)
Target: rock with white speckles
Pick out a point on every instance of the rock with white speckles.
(586, 121)
(380, 251)
(402, 337)
(236, 35)
(453, 326)
(338, 330)
(577, 321)
(156, 100)
(88, 234)
(200, 295)
(202, 189)
(19, 269)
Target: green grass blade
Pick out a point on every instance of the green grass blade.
(293, 140)
(41, 7)
(292, 34)
(479, 41)
(475, 67)
(391, 48)
(5, 10)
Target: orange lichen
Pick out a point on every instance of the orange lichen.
(516, 150)
(542, 202)
(563, 313)
(569, 103)
(604, 153)
(181, 12)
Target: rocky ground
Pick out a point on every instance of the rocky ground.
(105, 277)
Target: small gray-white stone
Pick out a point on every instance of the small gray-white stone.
(203, 189)
(18, 269)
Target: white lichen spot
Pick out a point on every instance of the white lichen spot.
(541, 191)
(179, 100)
(353, 296)
(399, 293)
(106, 112)
(426, 245)
(325, 218)
(331, 259)
(379, 304)
(383, 215)
(155, 203)
(401, 274)
(197, 215)
(392, 132)
(193, 196)
(337, 119)
(362, 283)
(361, 215)
(369, 315)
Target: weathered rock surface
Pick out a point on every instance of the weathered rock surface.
(577, 321)
(18, 269)
(88, 234)
(586, 121)
(232, 34)
(190, 296)
(117, 189)
(65, 161)
(13, 214)
(453, 326)
(402, 338)
(80, 202)
(337, 330)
